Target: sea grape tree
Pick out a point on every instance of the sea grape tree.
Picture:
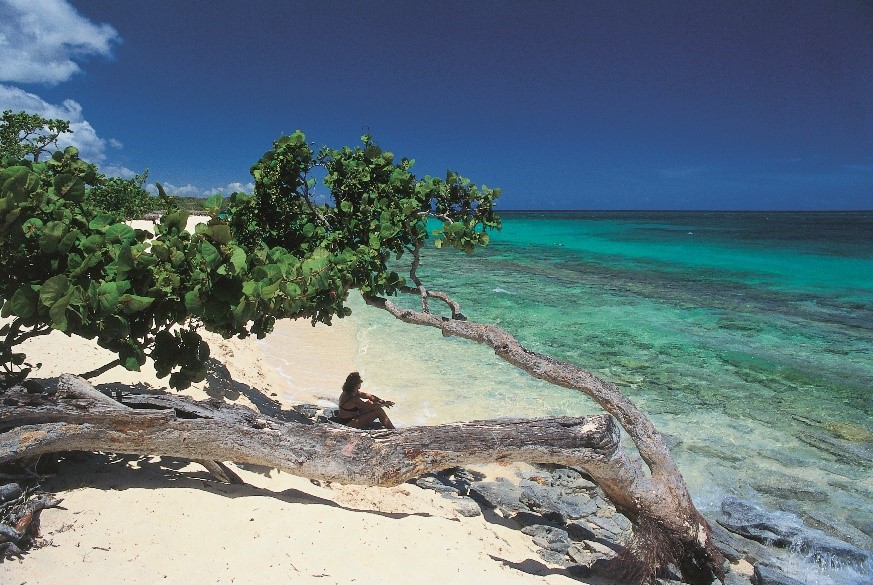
(125, 197)
(378, 210)
(71, 268)
(28, 136)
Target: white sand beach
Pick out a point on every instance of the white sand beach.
(138, 520)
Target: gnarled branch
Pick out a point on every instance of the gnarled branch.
(658, 500)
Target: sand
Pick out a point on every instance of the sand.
(137, 520)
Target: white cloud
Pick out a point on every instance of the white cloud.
(190, 190)
(118, 171)
(39, 40)
(115, 143)
(91, 147)
(235, 188)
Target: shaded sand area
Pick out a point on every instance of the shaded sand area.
(130, 519)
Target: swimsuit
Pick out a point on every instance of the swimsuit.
(355, 411)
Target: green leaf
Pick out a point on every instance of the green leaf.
(53, 289)
(101, 221)
(51, 236)
(69, 187)
(109, 295)
(210, 254)
(120, 233)
(134, 303)
(177, 220)
(24, 302)
(213, 204)
(124, 262)
(58, 312)
(250, 288)
(193, 302)
(131, 357)
(32, 226)
(268, 292)
(220, 233)
(114, 327)
(238, 260)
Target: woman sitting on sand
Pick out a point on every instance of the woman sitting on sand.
(358, 409)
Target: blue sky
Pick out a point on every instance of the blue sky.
(564, 105)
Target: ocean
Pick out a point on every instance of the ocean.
(746, 336)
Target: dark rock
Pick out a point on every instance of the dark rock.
(601, 548)
(732, 545)
(571, 480)
(579, 554)
(9, 492)
(553, 502)
(623, 523)
(434, 482)
(842, 530)
(530, 519)
(765, 575)
(501, 495)
(865, 527)
(787, 531)
(554, 557)
(460, 478)
(790, 488)
(464, 506)
(579, 531)
(752, 522)
(308, 410)
(604, 527)
(844, 451)
(331, 414)
(549, 537)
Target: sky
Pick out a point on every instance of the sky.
(561, 104)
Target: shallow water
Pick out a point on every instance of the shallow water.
(746, 336)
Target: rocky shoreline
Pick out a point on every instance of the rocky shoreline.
(575, 527)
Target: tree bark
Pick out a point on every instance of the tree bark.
(668, 527)
(76, 420)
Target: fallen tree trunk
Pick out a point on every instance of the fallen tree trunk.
(668, 527)
(74, 420)
(80, 418)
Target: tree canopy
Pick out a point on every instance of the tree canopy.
(74, 266)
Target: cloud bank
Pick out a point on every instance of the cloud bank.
(91, 147)
(190, 190)
(40, 43)
(39, 40)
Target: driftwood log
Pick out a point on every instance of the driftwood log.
(75, 419)
(78, 417)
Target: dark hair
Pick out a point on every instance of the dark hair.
(352, 380)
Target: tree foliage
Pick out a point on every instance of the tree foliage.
(72, 265)
(71, 268)
(24, 135)
(126, 197)
(377, 210)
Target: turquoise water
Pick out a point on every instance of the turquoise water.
(747, 337)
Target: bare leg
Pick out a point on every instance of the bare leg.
(371, 415)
